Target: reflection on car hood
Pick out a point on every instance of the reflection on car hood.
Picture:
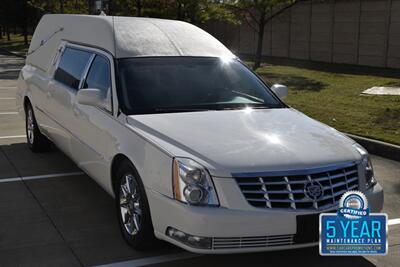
(240, 141)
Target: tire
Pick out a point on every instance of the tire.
(133, 210)
(36, 141)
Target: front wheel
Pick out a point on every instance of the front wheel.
(37, 142)
(133, 209)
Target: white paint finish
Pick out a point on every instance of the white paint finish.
(12, 136)
(122, 37)
(151, 260)
(229, 221)
(382, 91)
(394, 221)
(245, 141)
(159, 37)
(280, 90)
(84, 122)
(98, 31)
(36, 177)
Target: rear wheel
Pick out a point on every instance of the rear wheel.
(133, 209)
(37, 142)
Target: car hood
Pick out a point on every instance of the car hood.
(247, 141)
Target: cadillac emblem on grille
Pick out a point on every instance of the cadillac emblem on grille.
(313, 190)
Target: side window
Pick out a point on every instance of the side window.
(71, 67)
(99, 77)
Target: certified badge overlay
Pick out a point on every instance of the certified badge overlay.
(353, 230)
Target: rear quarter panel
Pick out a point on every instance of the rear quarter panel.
(32, 84)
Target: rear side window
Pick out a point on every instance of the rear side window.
(99, 77)
(71, 67)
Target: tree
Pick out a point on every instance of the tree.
(61, 6)
(26, 13)
(24, 19)
(193, 11)
(139, 6)
(202, 10)
(257, 13)
(7, 16)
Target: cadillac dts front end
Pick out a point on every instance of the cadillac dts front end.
(262, 211)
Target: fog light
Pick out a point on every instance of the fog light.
(190, 240)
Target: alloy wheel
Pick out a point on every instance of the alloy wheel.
(30, 126)
(129, 200)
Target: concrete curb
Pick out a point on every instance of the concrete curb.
(378, 148)
(12, 53)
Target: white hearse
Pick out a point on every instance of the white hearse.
(196, 149)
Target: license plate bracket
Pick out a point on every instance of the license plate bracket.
(307, 229)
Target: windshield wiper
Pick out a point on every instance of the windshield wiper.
(168, 110)
(254, 98)
(203, 107)
(240, 108)
(244, 106)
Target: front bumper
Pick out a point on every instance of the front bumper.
(227, 223)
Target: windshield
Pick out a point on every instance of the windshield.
(184, 84)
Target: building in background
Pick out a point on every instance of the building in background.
(356, 32)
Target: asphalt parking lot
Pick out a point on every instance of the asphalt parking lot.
(51, 214)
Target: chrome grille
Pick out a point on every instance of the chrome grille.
(251, 242)
(287, 190)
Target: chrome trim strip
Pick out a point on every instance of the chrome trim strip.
(251, 242)
(86, 71)
(309, 171)
(95, 51)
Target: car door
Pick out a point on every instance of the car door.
(91, 127)
(61, 95)
(40, 84)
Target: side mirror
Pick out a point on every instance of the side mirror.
(280, 90)
(90, 97)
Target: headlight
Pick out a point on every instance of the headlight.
(370, 180)
(192, 184)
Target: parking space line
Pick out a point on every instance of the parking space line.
(394, 221)
(8, 113)
(7, 180)
(51, 175)
(8, 87)
(152, 260)
(35, 177)
(7, 98)
(12, 136)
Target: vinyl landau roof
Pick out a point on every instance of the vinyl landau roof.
(123, 37)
